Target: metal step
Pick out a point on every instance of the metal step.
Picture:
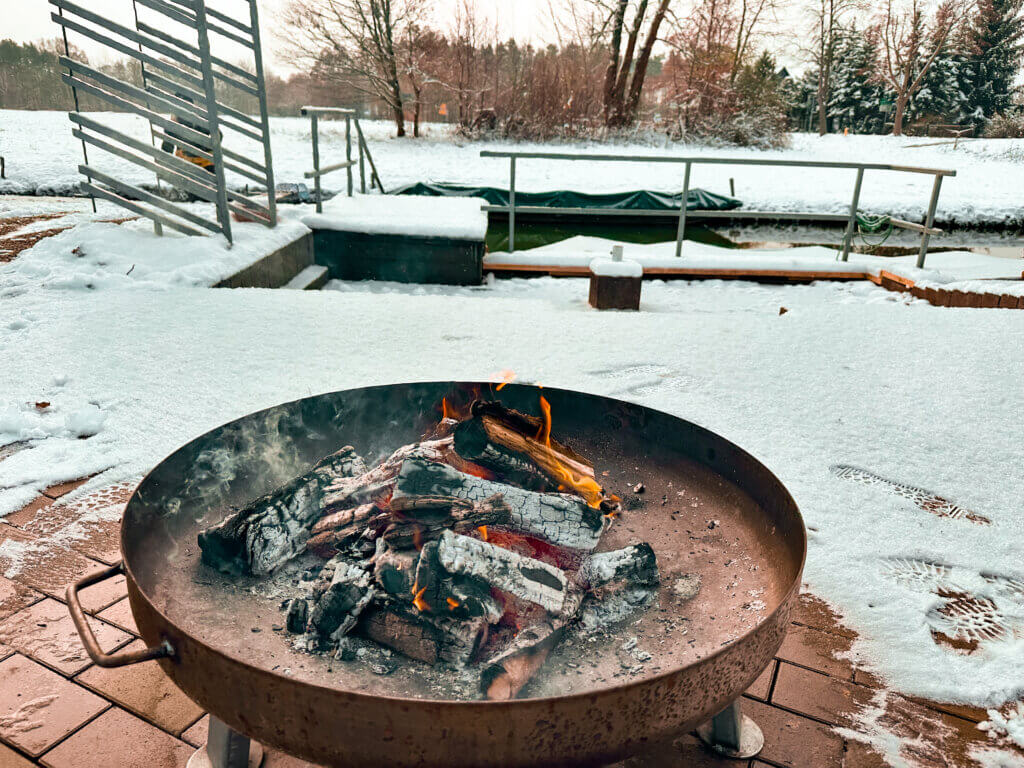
(312, 278)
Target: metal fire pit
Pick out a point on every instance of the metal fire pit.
(709, 509)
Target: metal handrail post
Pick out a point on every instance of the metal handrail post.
(681, 232)
(512, 205)
(848, 237)
(362, 159)
(268, 158)
(212, 118)
(315, 131)
(929, 221)
(348, 151)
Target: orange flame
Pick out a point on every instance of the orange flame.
(446, 412)
(417, 598)
(585, 486)
(453, 604)
(502, 378)
(417, 538)
(483, 532)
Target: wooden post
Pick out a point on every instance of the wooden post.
(929, 220)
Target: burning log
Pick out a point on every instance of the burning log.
(395, 571)
(524, 577)
(561, 519)
(520, 449)
(505, 674)
(424, 518)
(347, 593)
(427, 638)
(339, 528)
(275, 527)
(376, 484)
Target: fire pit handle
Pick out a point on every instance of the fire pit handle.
(92, 647)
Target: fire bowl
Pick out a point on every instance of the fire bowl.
(729, 540)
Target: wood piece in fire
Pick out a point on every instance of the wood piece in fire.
(565, 520)
(422, 518)
(524, 577)
(427, 638)
(275, 527)
(332, 532)
(348, 592)
(504, 675)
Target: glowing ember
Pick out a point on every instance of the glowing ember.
(453, 604)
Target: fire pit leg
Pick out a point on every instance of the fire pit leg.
(226, 748)
(732, 734)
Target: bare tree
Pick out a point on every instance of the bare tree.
(749, 16)
(908, 47)
(355, 41)
(631, 31)
(826, 17)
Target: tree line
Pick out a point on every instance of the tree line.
(619, 66)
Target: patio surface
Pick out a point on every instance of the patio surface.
(60, 711)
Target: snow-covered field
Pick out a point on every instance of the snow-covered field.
(43, 157)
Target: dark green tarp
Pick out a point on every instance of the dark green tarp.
(696, 199)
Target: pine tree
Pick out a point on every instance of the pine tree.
(944, 94)
(855, 102)
(998, 38)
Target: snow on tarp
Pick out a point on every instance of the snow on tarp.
(456, 218)
(96, 255)
(696, 199)
(610, 268)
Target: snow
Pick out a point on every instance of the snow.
(850, 374)
(457, 218)
(611, 268)
(96, 255)
(1007, 726)
(985, 190)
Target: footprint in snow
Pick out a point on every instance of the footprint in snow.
(647, 379)
(925, 500)
(973, 609)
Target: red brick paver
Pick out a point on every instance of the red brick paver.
(45, 632)
(120, 739)
(62, 712)
(38, 707)
(145, 690)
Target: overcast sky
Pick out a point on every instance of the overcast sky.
(26, 20)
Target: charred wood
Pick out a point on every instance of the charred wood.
(275, 527)
(560, 518)
(418, 519)
(635, 565)
(430, 639)
(334, 531)
(337, 609)
(524, 577)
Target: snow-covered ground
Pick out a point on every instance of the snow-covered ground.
(850, 374)
(990, 173)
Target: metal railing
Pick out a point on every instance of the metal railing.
(927, 229)
(351, 118)
(180, 78)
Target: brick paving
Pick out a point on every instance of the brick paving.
(58, 710)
